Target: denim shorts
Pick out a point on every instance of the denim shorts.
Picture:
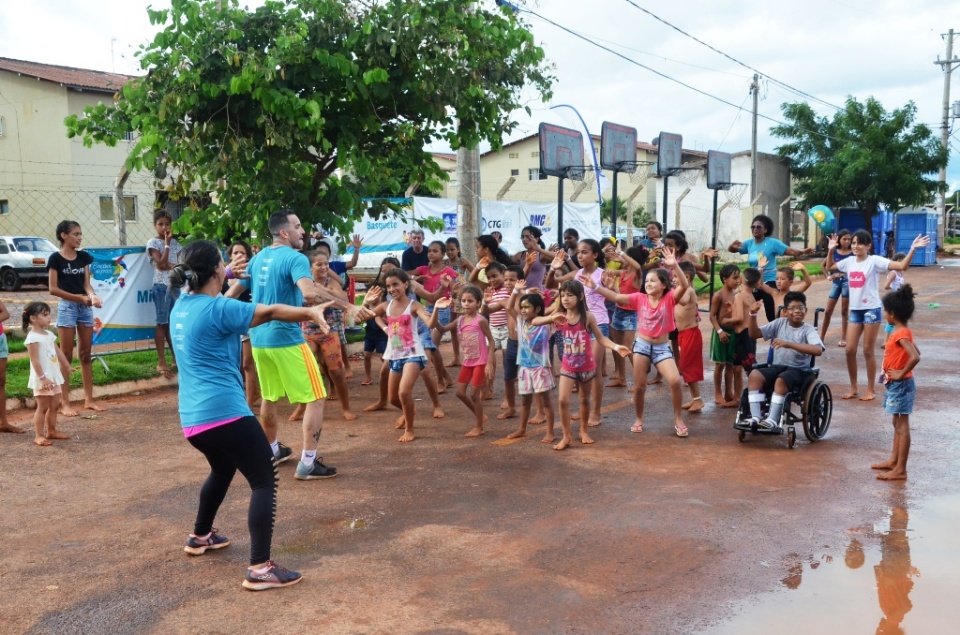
(604, 328)
(426, 338)
(510, 360)
(900, 396)
(70, 314)
(840, 288)
(443, 318)
(624, 320)
(163, 299)
(396, 365)
(866, 316)
(4, 348)
(371, 345)
(656, 352)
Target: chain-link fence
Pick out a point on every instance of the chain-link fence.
(28, 221)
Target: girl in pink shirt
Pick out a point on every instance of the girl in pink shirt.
(654, 323)
(579, 366)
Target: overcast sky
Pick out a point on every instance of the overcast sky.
(829, 49)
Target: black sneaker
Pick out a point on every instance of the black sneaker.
(274, 577)
(283, 453)
(198, 546)
(315, 471)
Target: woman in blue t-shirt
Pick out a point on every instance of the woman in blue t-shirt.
(763, 246)
(214, 414)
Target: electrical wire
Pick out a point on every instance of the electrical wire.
(732, 59)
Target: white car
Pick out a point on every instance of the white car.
(23, 259)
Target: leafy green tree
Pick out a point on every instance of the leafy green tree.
(315, 104)
(640, 215)
(863, 156)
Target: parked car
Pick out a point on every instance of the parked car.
(23, 259)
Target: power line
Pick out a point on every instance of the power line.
(732, 59)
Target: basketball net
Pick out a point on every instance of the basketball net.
(689, 176)
(640, 175)
(735, 193)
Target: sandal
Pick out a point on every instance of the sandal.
(366, 382)
(842, 344)
(681, 432)
(636, 427)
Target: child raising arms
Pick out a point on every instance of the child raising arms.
(655, 320)
(535, 374)
(899, 359)
(476, 346)
(579, 366)
(48, 367)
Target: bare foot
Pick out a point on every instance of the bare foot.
(869, 396)
(517, 434)
(453, 364)
(537, 419)
(349, 416)
(375, 406)
(332, 396)
(696, 405)
(93, 406)
(9, 427)
(575, 417)
(42, 441)
(399, 423)
(687, 405)
(487, 396)
(656, 380)
(849, 395)
(893, 475)
(886, 465)
(616, 382)
(441, 387)
(585, 439)
(564, 443)
(504, 405)
(548, 438)
(509, 414)
(366, 382)
(719, 400)
(349, 374)
(476, 432)
(733, 403)
(407, 437)
(593, 421)
(59, 436)
(438, 413)
(165, 372)
(297, 414)
(67, 412)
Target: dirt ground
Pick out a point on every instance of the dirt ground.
(639, 533)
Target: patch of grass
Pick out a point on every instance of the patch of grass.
(123, 367)
(952, 240)
(703, 288)
(15, 342)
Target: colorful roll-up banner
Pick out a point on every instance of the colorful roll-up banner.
(123, 278)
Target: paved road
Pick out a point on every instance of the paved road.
(639, 533)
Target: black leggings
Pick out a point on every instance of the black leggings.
(762, 292)
(243, 446)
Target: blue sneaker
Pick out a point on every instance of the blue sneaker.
(315, 471)
(198, 546)
(275, 576)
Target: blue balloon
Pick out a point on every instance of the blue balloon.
(824, 218)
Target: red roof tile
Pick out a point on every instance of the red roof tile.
(80, 78)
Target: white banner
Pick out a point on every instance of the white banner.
(390, 236)
(123, 278)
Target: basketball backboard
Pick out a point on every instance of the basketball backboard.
(670, 149)
(561, 151)
(718, 170)
(618, 146)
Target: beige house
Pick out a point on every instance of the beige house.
(44, 176)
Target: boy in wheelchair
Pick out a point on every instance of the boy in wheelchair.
(793, 342)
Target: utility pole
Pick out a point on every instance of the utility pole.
(754, 90)
(947, 65)
(468, 200)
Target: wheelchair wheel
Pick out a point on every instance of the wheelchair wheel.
(741, 435)
(817, 411)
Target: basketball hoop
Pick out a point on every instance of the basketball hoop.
(735, 193)
(641, 174)
(584, 175)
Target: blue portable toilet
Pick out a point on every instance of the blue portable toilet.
(911, 222)
(851, 219)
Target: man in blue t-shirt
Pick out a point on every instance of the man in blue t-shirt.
(280, 274)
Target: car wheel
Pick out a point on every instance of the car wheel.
(10, 280)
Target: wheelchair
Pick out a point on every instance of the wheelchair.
(814, 400)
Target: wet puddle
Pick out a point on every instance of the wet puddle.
(898, 576)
